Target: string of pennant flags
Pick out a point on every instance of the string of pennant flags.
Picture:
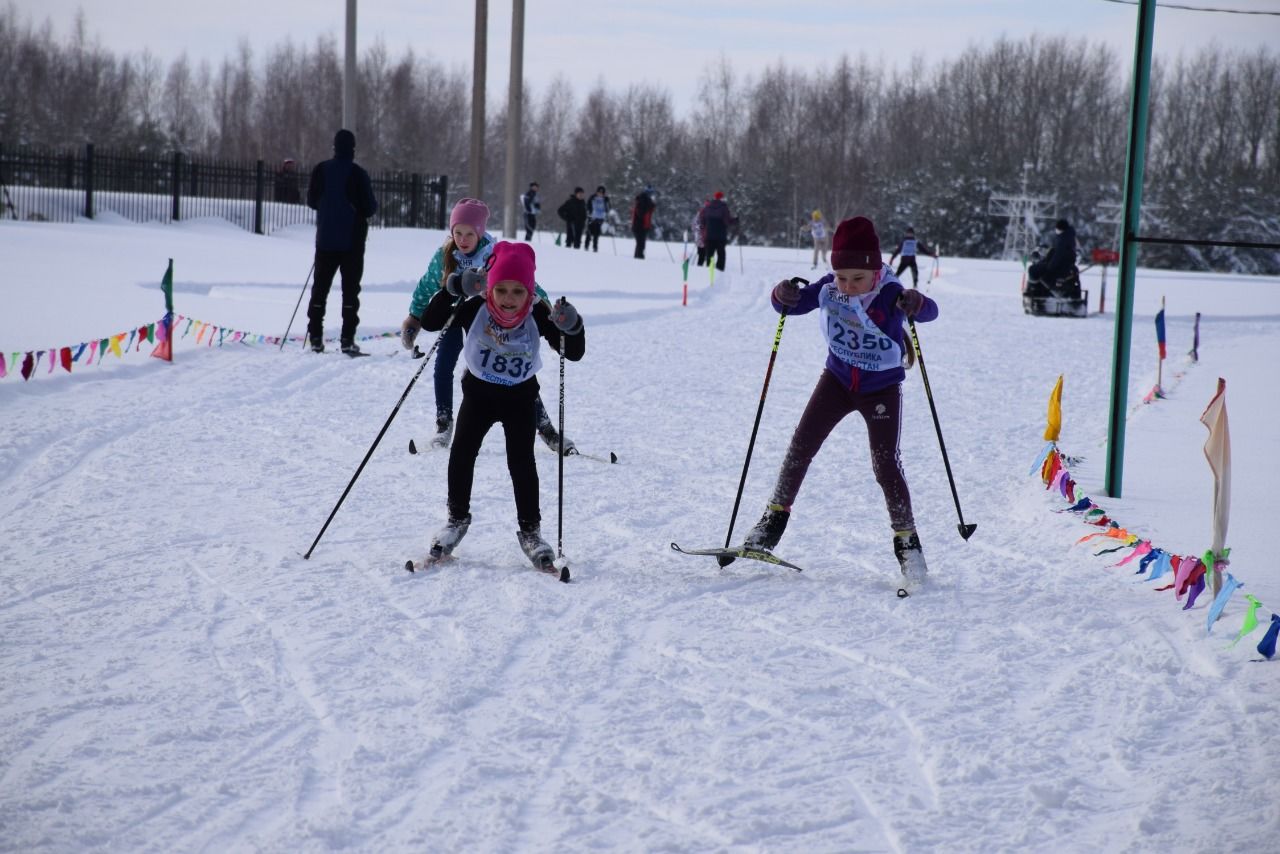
(162, 333)
(1188, 576)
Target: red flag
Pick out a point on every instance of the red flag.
(65, 355)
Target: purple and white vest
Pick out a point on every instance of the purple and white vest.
(499, 355)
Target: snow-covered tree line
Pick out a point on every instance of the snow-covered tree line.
(922, 144)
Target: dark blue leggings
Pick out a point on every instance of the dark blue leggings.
(447, 353)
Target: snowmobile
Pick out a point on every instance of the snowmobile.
(1059, 298)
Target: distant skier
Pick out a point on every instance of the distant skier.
(505, 325)
(642, 218)
(468, 247)
(597, 213)
(817, 228)
(716, 221)
(864, 308)
(907, 248)
(532, 204)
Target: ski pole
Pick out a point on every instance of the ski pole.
(383, 431)
(966, 531)
(773, 356)
(560, 484)
(295, 308)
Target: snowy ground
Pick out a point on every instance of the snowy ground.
(177, 678)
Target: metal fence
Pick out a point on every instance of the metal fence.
(61, 186)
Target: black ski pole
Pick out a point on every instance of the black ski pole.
(773, 356)
(966, 531)
(560, 485)
(285, 337)
(383, 431)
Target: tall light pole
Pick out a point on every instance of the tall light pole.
(515, 95)
(349, 72)
(477, 99)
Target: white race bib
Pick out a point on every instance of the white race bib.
(851, 335)
(502, 356)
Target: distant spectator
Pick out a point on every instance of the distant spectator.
(532, 207)
(907, 248)
(716, 220)
(642, 217)
(597, 213)
(574, 214)
(286, 189)
(342, 196)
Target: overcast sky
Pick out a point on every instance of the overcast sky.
(663, 42)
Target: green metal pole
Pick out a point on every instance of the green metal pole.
(1127, 267)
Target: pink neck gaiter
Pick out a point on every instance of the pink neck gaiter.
(508, 319)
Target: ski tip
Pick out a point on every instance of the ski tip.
(613, 458)
(564, 574)
(966, 531)
(903, 593)
(408, 565)
(413, 449)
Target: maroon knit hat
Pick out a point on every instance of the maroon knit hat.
(856, 246)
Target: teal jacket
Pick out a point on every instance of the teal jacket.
(430, 282)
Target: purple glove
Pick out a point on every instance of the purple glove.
(911, 302)
(566, 317)
(786, 294)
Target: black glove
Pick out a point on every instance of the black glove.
(787, 294)
(911, 302)
(566, 317)
(409, 331)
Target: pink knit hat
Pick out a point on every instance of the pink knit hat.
(510, 262)
(472, 212)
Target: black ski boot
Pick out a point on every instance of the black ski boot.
(906, 548)
(536, 549)
(350, 348)
(768, 530)
(765, 535)
(316, 343)
(444, 429)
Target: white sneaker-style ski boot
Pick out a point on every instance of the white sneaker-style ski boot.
(536, 549)
(906, 548)
(444, 429)
(449, 536)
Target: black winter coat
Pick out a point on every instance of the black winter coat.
(342, 196)
(573, 210)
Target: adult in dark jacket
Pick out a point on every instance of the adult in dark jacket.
(342, 196)
(642, 218)
(286, 186)
(574, 214)
(715, 219)
(1061, 259)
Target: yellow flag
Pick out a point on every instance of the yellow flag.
(1217, 450)
(1053, 424)
(115, 344)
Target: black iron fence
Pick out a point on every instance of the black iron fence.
(60, 186)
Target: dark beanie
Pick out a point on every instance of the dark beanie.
(856, 246)
(344, 142)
